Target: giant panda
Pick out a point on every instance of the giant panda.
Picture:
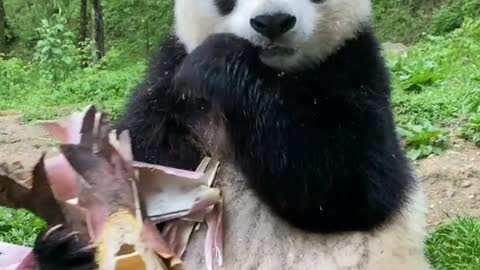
(295, 95)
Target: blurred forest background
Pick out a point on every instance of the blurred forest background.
(57, 56)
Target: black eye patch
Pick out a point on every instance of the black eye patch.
(318, 1)
(225, 6)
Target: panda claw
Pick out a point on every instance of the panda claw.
(88, 248)
(58, 248)
(68, 237)
(52, 230)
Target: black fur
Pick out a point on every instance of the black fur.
(60, 250)
(158, 119)
(317, 145)
(225, 6)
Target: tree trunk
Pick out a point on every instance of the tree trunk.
(83, 29)
(98, 30)
(83, 21)
(3, 24)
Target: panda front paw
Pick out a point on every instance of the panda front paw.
(216, 67)
(224, 45)
(60, 249)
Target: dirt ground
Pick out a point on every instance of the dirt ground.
(451, 180)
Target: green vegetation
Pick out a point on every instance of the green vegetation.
(422, 140)
(47, 71)
(41, 75)
(33, 89)
(19, 227)
(436, 90)
(456, 245)
(408, 20)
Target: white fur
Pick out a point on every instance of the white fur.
(320, 28)
(256, 239)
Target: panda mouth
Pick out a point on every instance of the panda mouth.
(275, 50)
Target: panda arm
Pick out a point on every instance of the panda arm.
(218, 70)
(158, 118)
(328, 165)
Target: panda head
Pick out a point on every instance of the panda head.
(290, 33)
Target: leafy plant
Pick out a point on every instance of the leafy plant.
(56, 50)
(414, 75)
(13, 75)
(85, 52)
(451, 17)
(472, 101)
(423, 140)
(471, 131)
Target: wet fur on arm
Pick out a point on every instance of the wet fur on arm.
(317, 146)
(159, 119)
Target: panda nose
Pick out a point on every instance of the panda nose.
(273, 25)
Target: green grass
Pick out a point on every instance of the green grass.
(436, 90)
(408, 21)
(437, 78)
(456, 246)
(19, 227)
(27, 91)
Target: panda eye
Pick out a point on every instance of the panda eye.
(225, 6)
(318, 1)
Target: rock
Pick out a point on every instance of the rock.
(451, 193)
(395, 48)
(466, 184)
